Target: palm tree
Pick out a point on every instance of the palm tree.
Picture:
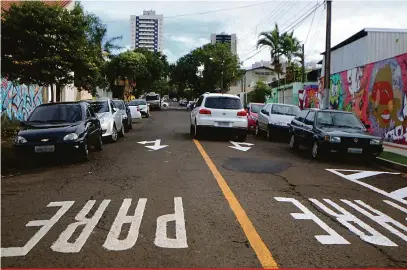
(291, 49)
(273, 40)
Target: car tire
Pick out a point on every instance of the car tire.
(294, 143)
(121, 132)
(125, 126)
(84, 151)
(130, 125)
(242, 137)
(197, 132)
(257, 130)
(114, 135)
(191, 130)
(315, 153)
(269, 136)
(99, 144)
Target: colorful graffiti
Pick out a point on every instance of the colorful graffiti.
(310, 97)
(18, 101)
(377, 94)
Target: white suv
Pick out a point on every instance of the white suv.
(219, 112)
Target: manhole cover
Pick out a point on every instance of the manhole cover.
(253, 165)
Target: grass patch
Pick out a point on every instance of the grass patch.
(394, 157)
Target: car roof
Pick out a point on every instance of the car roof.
(62, 103)
(220, 95)
(335, 111)
(97, 100)
(284, 104)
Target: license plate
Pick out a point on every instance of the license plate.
(45, 149)
(355, 150)
(224, 124)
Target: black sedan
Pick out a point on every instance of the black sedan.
(66, 128)
(331, 131)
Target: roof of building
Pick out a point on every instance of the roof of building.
(251, 68)
(362, 33)
(5, 5)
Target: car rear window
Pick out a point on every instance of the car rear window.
(153, 97)
(119, 104)
(137, 102)
(227, 103)
(57, 113)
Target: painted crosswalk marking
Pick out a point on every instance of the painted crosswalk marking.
(65, 243)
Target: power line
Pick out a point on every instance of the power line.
(203, 12)
(315, 33)
(312, 21)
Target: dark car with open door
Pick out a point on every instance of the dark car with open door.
(62, 129)
(333, 132)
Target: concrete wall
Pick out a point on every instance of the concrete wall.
(289, 93)
(377, 93)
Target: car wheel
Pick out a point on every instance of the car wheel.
(125, 126)
(84, 151)
(114, 134)
(121, 132)
(293, 143)
(268, 134)
(196, 131)
(191, 130)
(130, 125)
(148, 115)
(315, 150)
(257, 130)
(99, 144)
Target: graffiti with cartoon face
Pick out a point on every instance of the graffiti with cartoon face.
(335, 92)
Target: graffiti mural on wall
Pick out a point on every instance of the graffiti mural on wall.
(310, 97)
(377, 94)
(18, 101)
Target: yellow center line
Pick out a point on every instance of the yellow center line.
(261, 250)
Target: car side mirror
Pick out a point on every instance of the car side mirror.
(367, 126)
(115, 109)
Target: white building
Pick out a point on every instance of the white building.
(147, 31)
(226, 38)
(251, 77)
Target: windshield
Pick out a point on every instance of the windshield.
(338, 119)
(223, 103)
(137, 102)
(153, 97)
(57, 113)
(119, 104)
(285, 110)
(255, 108)
(100, 107)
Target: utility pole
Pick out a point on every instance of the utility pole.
(327, 67)
(303, 65)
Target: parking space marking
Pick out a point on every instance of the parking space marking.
(363, 174)
(263, 253)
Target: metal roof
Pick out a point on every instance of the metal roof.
(362, 33)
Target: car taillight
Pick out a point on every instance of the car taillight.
(138, 108)
(242, 113)
(204, 111)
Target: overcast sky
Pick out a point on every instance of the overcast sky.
(184, 33)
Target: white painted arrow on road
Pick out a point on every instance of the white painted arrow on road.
(157, 144)
(238, 146)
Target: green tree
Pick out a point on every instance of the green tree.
(261, 90)
(274, 40)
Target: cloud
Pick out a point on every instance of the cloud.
(184, 33)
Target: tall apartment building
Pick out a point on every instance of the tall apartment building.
(147, 31)
(226, 38)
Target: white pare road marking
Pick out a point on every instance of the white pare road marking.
(46, 226)
(180, 240)
(395, 205)
(363, 174)
(333, 238)
(62, 244)
(157, 144)
(349, 221)
(238, 146)
(114, 240)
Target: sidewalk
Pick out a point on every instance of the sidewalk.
(395, 148)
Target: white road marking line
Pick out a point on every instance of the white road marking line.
(353, 179)
(402, 209)
(157, 145)
(180, 240)
(346, 219)
(112, 241)
(238, 146)
(62, 244)
(46, 226)
(380, 218)
(332, 238)
(400, 193)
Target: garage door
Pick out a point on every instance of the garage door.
(280, 97)
(288, 96)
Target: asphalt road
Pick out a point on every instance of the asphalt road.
(202, 204)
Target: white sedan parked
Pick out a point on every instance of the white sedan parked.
(134, 111)
(143, 107)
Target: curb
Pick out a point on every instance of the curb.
(391, 164)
